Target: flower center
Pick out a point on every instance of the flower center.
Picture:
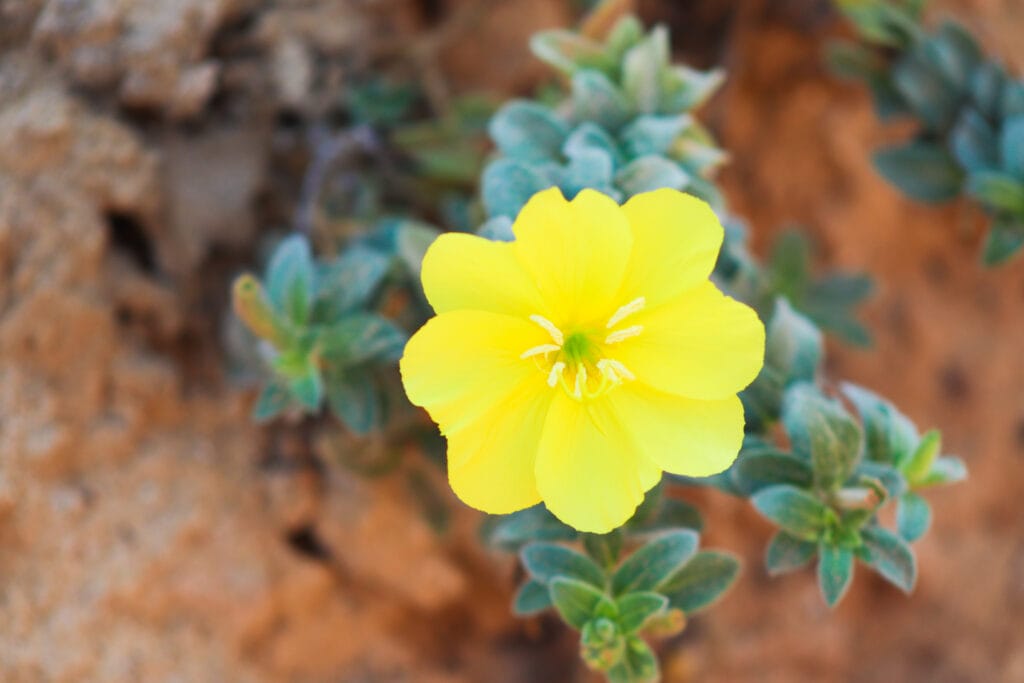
(579, 362)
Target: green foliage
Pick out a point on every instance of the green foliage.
(625, 127)
(970, 112)
(320, 337)
(649, 592)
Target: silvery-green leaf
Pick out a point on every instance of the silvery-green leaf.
(641, 71)
(411, 243)
(891, 557)
(913, 516)
(890, 436)
(532, 597)
(290, 279)
(835, 572)
(636, 608)
(655, 563)
(787, 553)
(1011, 146)
(1001, 192)
(528, 131)
(507, 185)
(588, 168)
(498, 229)
(974, 142)
(684, 88)
(347, 282)
(956, 53)
(932, 98)
(568, 51)
(795, 510)
(921, 170)
(547, 561)
(793, 344)
(597, 100)
(822, 432)
(987, 84)
(274, 399)
(576, 601)
(354, 398)
(1005, 239)
(651, 134)
(946, 470)
(650, 173)
(702, 581)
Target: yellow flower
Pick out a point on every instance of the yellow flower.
(576, 363)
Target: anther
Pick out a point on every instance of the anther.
(621, 335)
(543, 349)
(629, 309)
(581, 380)
(556, 372)
(556, 334)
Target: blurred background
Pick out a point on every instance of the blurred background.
(149, 531)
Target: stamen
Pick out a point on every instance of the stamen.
(629, 309)
(581, 380)
(556, 372)
(621, 335)
(620, 369)
(555, 333)
(543, 349)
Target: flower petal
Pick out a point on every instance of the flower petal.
(463, 364)
(491, 462)
(681, 435)
(676, 240)
(466, 272)
(587, 466)
(576, 252)
(701, 345)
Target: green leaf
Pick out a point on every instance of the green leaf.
(974, 142)
(348, 282)
(835, 572)
(913, 516)
(1013, 100)
(891, 557)
(411, 244)
(498, 229)
(568, 51)
(987, 84)
(650, 134)
(788, 265)
(641, 70)
(636, 608)
(888, 477)
(853, 61)
(923, 171)
(821, 431)
(275, 398)
(655, 562)
(528, 131)
(362, 337)
(793, 345)
(577, 601)
(590, 136)
(920, 463)
(588, 168)
(946, 470)
(545, 561)
(683, 88)
(793, 509)
(755, 471)
(650, 173)
(604, 548)
(532, 524)
(671, 513)
(1011, 146)
(638, 665)
(308, 389)
(702, 581)
(354, 398)
(602, 644)
(788, 553)
(956, 54)
(532, 597)
(290, 279)
(1000, 192)
(890, 437)
(597, 100)
(1005, 238)
(927, 91)
(507, 185)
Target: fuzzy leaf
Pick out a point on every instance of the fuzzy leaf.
(577, 601)
(889, 435)
(636, 608)
(1000, 192)
(589, 136)
(604, 548)
(788, 553)
(290, 279)
(532, 597)
(411, 243)
(308, 389)
(498, 229)
(755, 471)
(920, 463)
(670, 514)
(507, 185)
(923, 171)
(946, 470)
(1011, 146)
(347, 282)
(568, 51)
(641, 71)
(926, 90)
(362, 337)
(275, 398)
(835, 572)
(974, 142)
(354, 398)
(652, 134)
(891, 557)
(1005, 239)
(702, 581)
(596, 99)
(650, 173)
(654, 563)
(987, 84)
(545, 561)
(956, 54)
(793, 509)
(528, 131)
(588, 168)
(821, 431)
(638, 664)
(532, 524)
(793, 345)
(913, 516)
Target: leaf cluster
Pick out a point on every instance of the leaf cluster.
(969, 110)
